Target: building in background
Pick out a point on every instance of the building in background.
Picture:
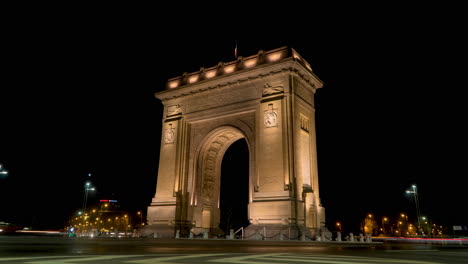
(105, 219)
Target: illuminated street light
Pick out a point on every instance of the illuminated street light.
(141, 218)
(414, 191)
(88, 187)
(3, 172)
(384, 220)
(338, 225)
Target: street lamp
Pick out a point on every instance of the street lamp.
(141, 218)
(384, 220)
(88, 187)
(414, 191)
(3, 172)
(338, 226)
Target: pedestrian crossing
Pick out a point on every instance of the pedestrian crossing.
(239, 258)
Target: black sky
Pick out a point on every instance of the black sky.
(78, 99)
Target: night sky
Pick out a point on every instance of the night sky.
(391, 113)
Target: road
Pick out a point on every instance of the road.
(56, 250)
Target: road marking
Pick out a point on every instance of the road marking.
(332, 259)
(31, 258)
(84, 258)
(244, 259)
(448, 253)
(163, 260)
(273, 258)
(342, 259)
(409, 250)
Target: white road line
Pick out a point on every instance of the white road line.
(276, 258)
(163, 260)
(409, 250)
(448, 253)
(317, 260)
(85, 258)
(338, 259)
(245, 259)
(32, 258)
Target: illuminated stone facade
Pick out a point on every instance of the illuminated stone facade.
(268, 99)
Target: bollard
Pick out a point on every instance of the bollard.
(322, 236)
(191, 235)
(155, 235)
(318, 238)
(338, 236)
(281, 235)
(351, 237)
(303, 237)
(231, 233)
(205, 234)
(177, 234)
(361, 237)
(368, 238)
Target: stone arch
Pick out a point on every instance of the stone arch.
(208, 172)
(268, 99)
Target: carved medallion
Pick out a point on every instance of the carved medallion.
(271, 117)
(169, 135)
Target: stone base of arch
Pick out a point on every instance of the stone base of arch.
(168, 230)
(277, 232)
(158, 231)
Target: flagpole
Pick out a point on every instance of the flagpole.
(235, 50)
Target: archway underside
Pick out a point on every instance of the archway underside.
(207, 197)
(212, 158)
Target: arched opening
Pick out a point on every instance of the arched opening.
(234, 187)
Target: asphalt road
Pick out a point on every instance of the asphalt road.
(55, 250)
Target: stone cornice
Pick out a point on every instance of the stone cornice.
(289, 65)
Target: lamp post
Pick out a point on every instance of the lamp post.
(414, 191)
(384, 220)
(141, 218)
(88, 187)
(338, 226)
(3, 172)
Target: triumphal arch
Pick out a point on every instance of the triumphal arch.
(266, 99)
